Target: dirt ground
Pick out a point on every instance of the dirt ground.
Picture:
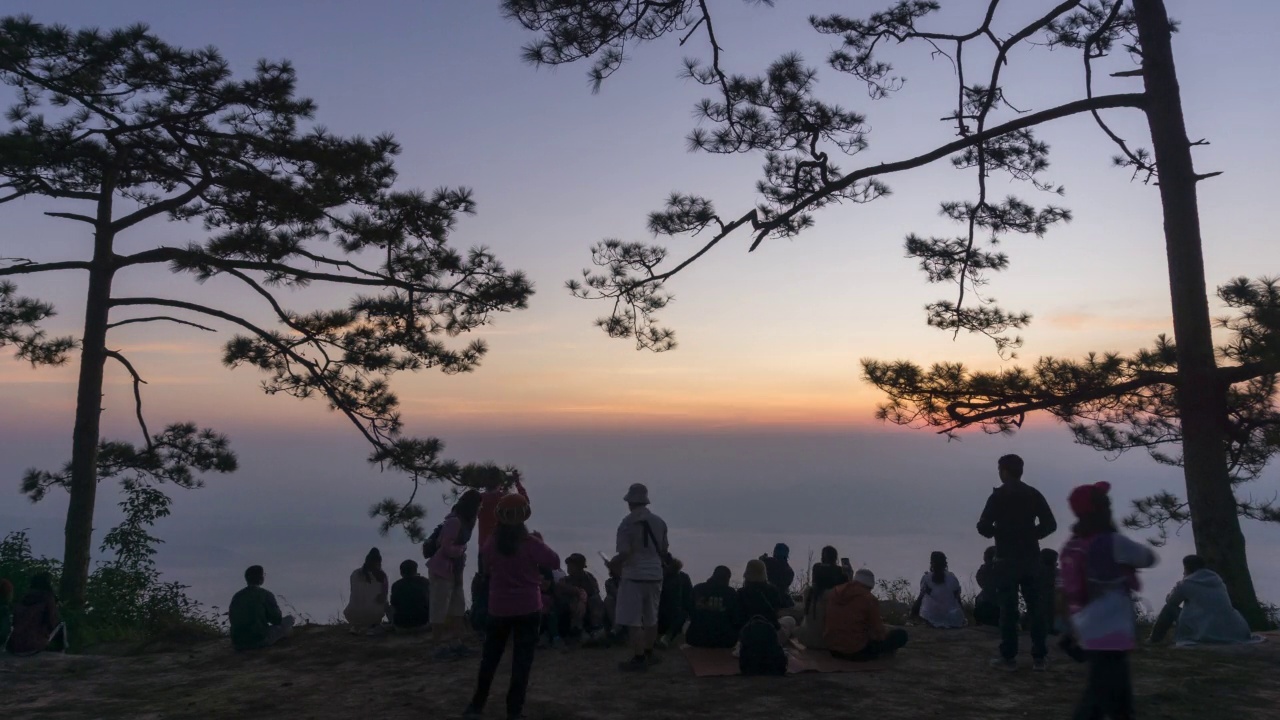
(323, 672)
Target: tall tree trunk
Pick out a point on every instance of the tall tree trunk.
(84, 439)
(1202, 402)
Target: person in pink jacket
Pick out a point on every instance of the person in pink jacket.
(445, 568)
(515, 560)
(1098, 578)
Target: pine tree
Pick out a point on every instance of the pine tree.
(120, 128)
(1175, 393)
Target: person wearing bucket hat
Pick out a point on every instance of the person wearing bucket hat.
(1098, 577)
(641, 548)
(1018, 517)
(515, 560)
(854, 628)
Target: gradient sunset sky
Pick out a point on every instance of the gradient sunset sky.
(769, 341)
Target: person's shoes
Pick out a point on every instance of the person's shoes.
(635, 664)
(652, 658)
(1006, 664)
(557, 643)
(1040, 665)
(472, 713)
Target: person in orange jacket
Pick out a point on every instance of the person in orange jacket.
(854, 629)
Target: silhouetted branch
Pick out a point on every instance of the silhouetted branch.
(1104, 102)
(158, 318)
(26, 267)
(138, 382)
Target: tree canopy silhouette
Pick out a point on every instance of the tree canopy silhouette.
(1223, 417)
(121, 128)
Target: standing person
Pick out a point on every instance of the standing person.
(641, 547)
(939, 602)
(515, 561)
(445, 570)
(1018, 518)
(1201, 608)
(778, 568)
(486, 517)
(255, 618)
(1099, 576)
(410, 599)
(369, 592)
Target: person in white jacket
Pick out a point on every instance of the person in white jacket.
(1201, 609)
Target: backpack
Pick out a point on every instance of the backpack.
(759, 652)
(431, 545)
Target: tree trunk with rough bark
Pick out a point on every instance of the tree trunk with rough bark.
(78, 537)
(1201, 395)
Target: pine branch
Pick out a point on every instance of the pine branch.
(138, 382)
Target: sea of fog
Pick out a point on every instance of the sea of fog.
(884, 498)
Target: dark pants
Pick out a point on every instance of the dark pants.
(523, 630)
(896, 639)
(1109, 691)
(1027, 577)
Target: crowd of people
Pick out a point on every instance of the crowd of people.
(523, 593)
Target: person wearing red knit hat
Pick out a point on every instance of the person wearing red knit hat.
(514, 559)
(1098, 579)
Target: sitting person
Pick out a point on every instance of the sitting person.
(758, 597)
(716, 618)
(854, 629)
(778, 568)
(255, 616)
(611, 601)
(6, 611)
(825, 575)
(1201, 609)
(675, 603)
(939, 603)
(410, 599)
(368, 603)
(36, 624)
(586, 607)
(549, 630)
(986, 607)
(1048, 594)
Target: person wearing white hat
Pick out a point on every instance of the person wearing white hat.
(854, 629)
(642, 545)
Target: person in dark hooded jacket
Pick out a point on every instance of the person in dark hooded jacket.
(36, 625)
(716, 619)
(778, 568)
(675, 605)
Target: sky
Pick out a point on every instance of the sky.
(758, 425)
